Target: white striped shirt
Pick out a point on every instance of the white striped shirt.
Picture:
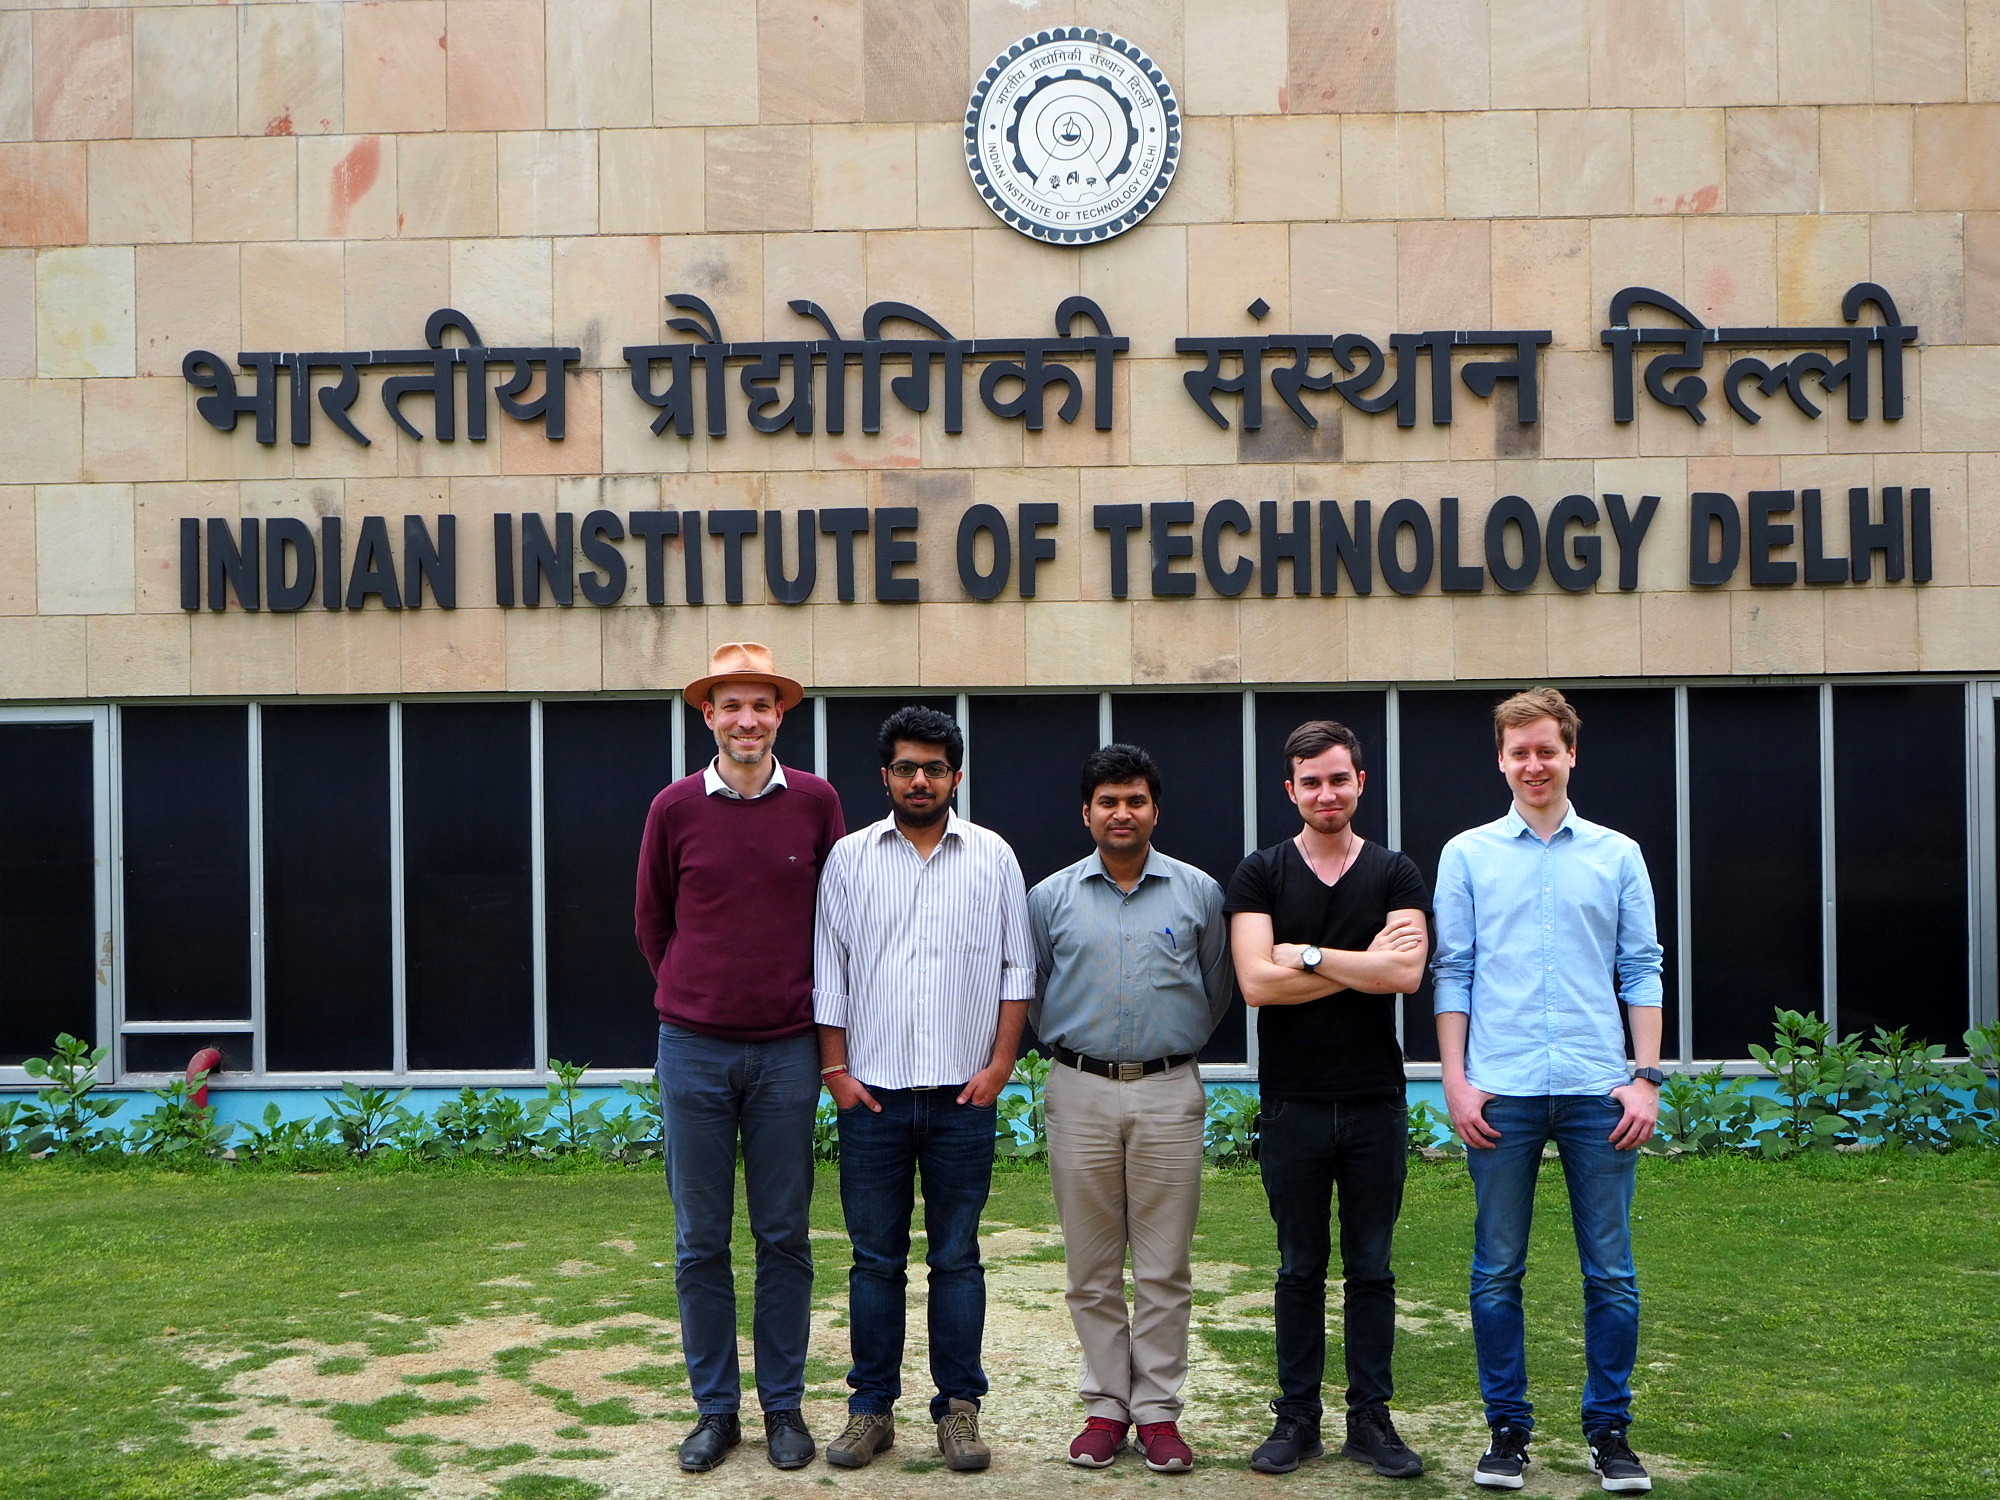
(913, 956)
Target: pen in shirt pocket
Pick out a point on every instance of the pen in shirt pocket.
(1171, 939)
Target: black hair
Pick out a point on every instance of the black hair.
(921, 726)
(1118, 765)
(1316, 737)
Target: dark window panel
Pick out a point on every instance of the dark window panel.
(329, 975)
(852, 764)
(186, 819)
(1754, 862)
(1278, 714)
(1028, 751)
(1450, 782)
(1624, 779)
(466, 885)
(1197, 738)
(169, 1052)
(1899, 853)
(798, 738)
(603, 763)
(48, 896)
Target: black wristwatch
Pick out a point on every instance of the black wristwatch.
(1649, 1075)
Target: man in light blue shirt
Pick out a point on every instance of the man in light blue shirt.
(1544, 926)
(1133, 973)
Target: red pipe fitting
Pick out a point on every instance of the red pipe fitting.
(208, 1060)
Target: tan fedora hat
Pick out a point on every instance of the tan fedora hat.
(745, 661)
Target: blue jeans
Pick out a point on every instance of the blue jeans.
(1307, 1151)
(713, 1092)
(951, 1145)
(1599, 1178)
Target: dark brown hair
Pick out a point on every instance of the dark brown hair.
(1316, 737)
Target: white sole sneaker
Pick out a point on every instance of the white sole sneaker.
(1637, 1485)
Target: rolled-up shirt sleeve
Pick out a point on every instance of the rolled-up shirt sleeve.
(1639, 954)
(1457, 933)
(830, 976)
(1017, 943)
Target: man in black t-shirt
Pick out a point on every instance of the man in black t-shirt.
(1326, 930)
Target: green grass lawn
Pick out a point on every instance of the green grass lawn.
(1824, 1327)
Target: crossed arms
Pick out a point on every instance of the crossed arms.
(1268, 972)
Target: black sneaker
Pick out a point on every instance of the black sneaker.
(1293, 1439)
(1506, 1456)
(1372, 1440)
(1617, 1467)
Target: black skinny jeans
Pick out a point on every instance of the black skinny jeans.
(1307, 1152)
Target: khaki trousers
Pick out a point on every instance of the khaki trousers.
(1125, 1165)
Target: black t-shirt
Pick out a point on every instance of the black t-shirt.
(1342, 1046)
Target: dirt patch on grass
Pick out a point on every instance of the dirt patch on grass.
(499, 1397)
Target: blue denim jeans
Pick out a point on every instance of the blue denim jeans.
(1599, 1178)
(1306, 1152)
(919, 1131)
(713, 1093)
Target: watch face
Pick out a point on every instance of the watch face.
(1311, 957)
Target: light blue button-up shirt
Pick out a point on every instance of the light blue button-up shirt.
(1538, 943)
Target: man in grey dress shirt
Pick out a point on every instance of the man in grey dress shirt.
(1133, 973)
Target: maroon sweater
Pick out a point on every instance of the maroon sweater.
(725, 905)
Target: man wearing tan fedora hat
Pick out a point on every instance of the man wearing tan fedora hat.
(728, 876)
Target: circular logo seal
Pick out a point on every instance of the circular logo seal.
(1072, 135)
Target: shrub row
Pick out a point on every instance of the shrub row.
(1827, 1093)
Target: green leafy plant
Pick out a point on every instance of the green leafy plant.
(13, 1129)
(1430, 1130)
(1021, 1127)
(478, 1122)
(560, 1122)
(647, 1091)
(1706, 1113)
(294, 1141)
(1819, 1083)
(826, 1131)
(177, 1128)
(1907, 1087)
(364, 1118)
(64, 1117)
(631, 1135)
(1230, 1137)
(1978, 1122)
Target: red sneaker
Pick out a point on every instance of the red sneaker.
(1101, 1441)
(1165, 1451)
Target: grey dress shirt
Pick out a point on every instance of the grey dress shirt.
(1129, 976)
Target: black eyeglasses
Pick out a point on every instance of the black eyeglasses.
(909, 770)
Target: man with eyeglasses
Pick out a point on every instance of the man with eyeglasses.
(922, 973)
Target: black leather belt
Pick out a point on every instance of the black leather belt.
(1122, 1072)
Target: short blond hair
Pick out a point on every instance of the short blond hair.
(1535, 703)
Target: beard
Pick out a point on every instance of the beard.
(925, 817)
(744, 757)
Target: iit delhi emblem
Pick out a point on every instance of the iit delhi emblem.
(1072, 135)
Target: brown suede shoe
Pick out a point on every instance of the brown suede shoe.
(958, 1438)
(866, 1434)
